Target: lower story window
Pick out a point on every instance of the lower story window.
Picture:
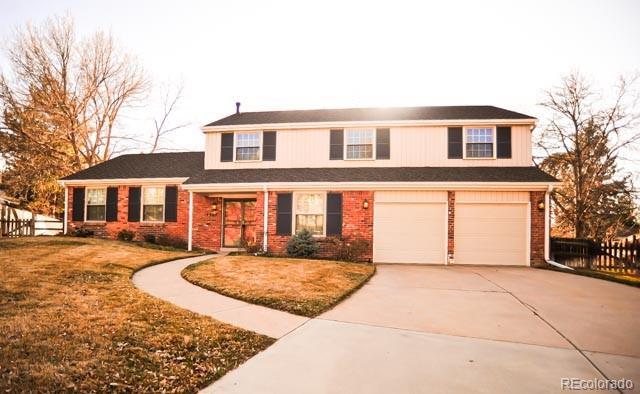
(96, 204)
(153, 204)
(310, 212)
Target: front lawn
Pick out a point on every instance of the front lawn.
(303, 287)
(71, 320)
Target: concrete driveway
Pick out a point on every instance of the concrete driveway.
(456, 329)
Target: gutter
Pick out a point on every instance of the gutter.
(547, 226)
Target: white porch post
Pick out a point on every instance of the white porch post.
(265, 219)
(190, 231)
(66, 210)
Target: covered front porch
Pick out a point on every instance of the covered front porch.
(219, 220)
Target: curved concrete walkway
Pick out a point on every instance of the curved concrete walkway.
(165, 282)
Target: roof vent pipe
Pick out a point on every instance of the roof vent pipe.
(237, 107)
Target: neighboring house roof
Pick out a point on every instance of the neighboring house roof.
(465, 112)
(145, 165)
(373, 174)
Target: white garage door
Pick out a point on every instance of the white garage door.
(491, 233)
(409, 228)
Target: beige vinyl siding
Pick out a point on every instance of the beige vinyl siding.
(410, 227)
(491, 233)
(410, 147)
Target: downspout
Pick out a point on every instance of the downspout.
(190, 231)
(547, 224)
(265, 218)
(66, 209)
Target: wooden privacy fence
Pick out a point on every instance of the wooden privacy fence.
(26, 227)
(620, 256)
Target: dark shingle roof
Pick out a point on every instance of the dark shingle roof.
(372, 174)
(150, 165)
(190, 165)
(371, 114)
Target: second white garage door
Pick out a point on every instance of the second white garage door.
(409, 228)
(491, 233)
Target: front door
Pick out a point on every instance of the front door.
(239, 222)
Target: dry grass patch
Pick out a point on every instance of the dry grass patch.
(303, 287)
(71, 320)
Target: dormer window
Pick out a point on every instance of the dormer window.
(479, 142)
(247, 146)
(359, 144)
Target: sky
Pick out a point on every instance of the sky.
(272, 55)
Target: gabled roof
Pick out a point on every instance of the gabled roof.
(373, 174)
(145, 165)
(465, 112)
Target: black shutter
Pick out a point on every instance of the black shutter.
(455, 142)
(226, 147)
(504, 142)
(336, 149)
(134, 204)
(383, 144)
(171, 204)
(334, 214)
(112, 204)
(269, 146)
(283, 214)
(78, 204)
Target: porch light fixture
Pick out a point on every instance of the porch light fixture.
(214, 209)
(541, 205)
(365, 204)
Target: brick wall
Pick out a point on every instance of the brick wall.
(537, 230)
(111, 229)
(451, 216)
(207, 225)
(357, 222)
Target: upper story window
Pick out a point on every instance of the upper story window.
(247, 146)
(359, 144)
(309, 212)
(479, 142)
(96, 204)
(153, 204)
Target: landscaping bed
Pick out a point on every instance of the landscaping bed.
(301, 286)
(71, 320)
(618, 277)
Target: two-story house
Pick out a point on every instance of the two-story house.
(436, 185)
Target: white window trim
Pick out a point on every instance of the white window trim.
(86, 204)
(374, 142)
(464, 143)
(235, 145)
(164, 208)
(294, 204)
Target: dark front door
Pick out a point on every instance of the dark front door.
(239, 222)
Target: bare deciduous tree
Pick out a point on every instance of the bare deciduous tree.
(583, 141)
(60, 105)
(162, 126)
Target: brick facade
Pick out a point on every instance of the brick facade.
(537, 230)
(207, 224)
(357, 222)
(451, 217)
(110, 229)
